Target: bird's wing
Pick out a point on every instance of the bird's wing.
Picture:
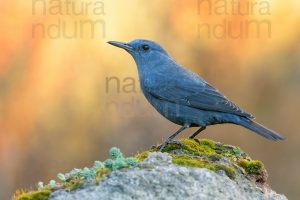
(201, 96)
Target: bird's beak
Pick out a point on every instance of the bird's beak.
(121, 45)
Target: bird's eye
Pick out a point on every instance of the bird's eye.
(145, 47)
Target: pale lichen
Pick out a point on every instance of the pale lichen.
(78, 177)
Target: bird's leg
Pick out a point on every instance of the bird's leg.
(169, 139)
(197, 132)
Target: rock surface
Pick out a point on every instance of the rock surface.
(157, 177)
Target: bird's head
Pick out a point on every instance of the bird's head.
(141, 50)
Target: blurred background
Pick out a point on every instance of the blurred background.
(66, 96)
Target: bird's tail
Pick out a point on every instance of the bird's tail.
(261, 130)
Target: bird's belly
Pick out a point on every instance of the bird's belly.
(176, 113)
(180, 114)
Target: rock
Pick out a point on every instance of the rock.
(191, 170)
(157, 178)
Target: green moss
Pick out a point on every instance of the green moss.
(34, 195)
(225, 150)
(230, 171)
(252, 167)
(170, 147)
(237, 151)
(142, 156)
(100, 174)
(73, 183)
(214, 157)
(203, 147)
(207, 142)
(185, 160)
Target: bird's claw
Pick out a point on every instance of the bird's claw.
(163, 145)
(197, 140)
(176, 142)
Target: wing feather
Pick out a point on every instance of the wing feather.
(200, 96)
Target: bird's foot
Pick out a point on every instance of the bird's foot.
(197, 140)
(163, 145)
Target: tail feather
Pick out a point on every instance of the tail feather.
(261, 130)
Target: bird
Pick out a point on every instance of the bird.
(182, 96)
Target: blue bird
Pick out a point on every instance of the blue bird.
(182, 96)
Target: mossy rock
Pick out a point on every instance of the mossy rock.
(212, 155)
(203, 153)
(255, 169)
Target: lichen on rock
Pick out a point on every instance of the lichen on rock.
(78, 178)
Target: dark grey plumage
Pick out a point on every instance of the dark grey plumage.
(182, 96)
